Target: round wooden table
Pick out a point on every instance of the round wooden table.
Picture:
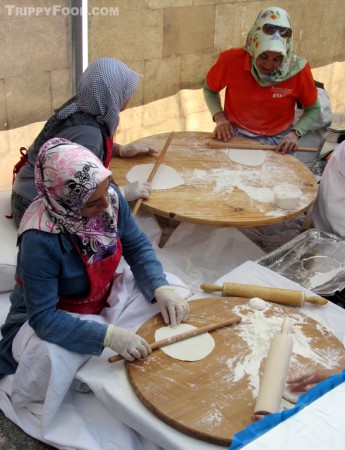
(212, 399)
(217, 191)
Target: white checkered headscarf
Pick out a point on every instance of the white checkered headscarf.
(105, 86)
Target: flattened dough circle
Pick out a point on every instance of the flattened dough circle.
(192, 349)
(247, 157)
(290, 396)
(166, 177)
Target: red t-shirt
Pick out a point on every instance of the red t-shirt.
(265, 111)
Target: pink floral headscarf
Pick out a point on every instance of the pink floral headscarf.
(66, 175)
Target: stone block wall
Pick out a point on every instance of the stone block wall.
(171, 43)
(35, 62)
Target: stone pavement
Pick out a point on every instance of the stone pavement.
(13, 438)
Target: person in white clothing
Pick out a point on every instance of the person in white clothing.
(328, 213)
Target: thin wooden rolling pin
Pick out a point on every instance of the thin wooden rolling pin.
(154, 170)
(275, 295)
(274, 375)
(186, 335)
(255, 146)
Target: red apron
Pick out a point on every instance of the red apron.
(108, 151)
(101, 275)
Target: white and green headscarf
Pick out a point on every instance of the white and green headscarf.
(258, 42)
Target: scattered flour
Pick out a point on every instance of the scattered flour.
(247, 179)
(257, 330)
(225, 180)
(264, 195)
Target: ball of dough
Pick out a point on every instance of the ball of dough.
(287, 196)
(257, 303)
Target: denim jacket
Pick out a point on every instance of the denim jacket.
(49, 265)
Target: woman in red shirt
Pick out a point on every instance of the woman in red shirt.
(263, 82)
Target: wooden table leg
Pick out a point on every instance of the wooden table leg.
(167, 226)
(308, 221)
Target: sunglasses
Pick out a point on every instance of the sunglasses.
(271, 29)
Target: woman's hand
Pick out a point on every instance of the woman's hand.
(174, 308)
(126, 343)
(303, 383)
(136, 189)
(127, 151)
(288, 144)
(223, 130)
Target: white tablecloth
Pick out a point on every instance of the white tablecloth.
(112, 417)
(319, 426)
(112, 388)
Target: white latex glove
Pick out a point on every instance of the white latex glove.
(135, 190)
(126, 151)
(126, 343)
(174, 308)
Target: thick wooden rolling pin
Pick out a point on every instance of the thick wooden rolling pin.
(186, 335)
(275, 295)
(254, 145)
(274, 375)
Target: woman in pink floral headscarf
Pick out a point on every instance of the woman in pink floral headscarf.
(90, 118)
(71, 240)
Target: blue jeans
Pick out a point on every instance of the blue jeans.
(270, 140)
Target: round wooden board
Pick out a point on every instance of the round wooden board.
(210, 399)
(207, 195)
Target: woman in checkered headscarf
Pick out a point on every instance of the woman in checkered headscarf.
(90, 118)
(104, 89)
